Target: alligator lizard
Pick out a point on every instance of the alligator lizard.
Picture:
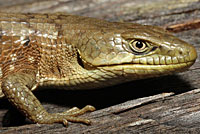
(74, 52)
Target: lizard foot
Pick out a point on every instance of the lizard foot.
(70, 115)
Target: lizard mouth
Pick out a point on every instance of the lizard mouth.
(133, 71)
(181, 66)
(178, 67)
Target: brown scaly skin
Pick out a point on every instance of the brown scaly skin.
(74, 52)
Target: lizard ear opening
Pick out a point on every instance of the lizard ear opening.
(84, 64)
(79, 60)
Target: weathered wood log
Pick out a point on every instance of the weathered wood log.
(136, 108)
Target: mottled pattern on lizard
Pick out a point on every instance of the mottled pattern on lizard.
(73, 52)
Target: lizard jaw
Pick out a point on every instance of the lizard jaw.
(137, 71)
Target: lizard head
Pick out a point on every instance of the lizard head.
(136, 52)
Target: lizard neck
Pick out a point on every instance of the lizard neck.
(61, 66)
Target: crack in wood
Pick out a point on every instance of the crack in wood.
(188, 25)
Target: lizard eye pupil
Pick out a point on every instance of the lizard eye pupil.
(139, 44)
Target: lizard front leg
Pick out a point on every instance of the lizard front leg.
(16, 88)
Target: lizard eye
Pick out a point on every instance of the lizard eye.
(138, 46)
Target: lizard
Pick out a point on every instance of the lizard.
(75, 52)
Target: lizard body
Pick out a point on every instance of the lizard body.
(75, 52)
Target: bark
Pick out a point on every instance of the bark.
(135, 107)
